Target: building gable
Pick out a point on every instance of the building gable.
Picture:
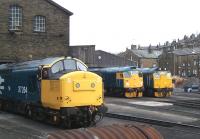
(59, 6)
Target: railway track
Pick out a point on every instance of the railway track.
(152, 121)
(195, 104)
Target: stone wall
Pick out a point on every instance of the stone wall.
(27, 44)
(105, 59)
(86, 53)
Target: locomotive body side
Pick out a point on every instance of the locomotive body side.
(20, 87)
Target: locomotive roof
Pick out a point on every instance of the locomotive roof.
(113, 69)
(31, 64)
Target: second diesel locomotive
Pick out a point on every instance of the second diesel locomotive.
(56, 90)
(121, 81)
(157, 83)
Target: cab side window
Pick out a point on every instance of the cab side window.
(58, 67)
(81, 67)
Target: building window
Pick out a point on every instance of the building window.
(195, 62)
(189, 73)
(15, 18)
(194, 72)
(39, 23)
(183, 73)
(179, 72)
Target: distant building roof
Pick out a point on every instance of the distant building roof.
(187, 51)
(154, 54)
(59, 6)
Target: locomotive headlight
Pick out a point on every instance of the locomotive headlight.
(93, 85)
(69, 80)
(78, 85)
(127, 84)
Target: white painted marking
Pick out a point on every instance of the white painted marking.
(1, 87)
(1, 80)
(22, 89)
(151, 103)
(155, 114)
(9, 88)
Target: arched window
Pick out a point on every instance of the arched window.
(15, 18)
(39, 24)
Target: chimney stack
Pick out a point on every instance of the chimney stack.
(133, 47)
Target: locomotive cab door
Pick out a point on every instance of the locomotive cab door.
(50, 88)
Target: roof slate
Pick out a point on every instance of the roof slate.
(187, 51)
(145, 53)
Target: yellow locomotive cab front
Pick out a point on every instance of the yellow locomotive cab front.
(81, 88)
(136, 83)
(71, 93)
(163, 82)
(74, 89)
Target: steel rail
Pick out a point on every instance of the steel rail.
(187, 104)
(151, 121)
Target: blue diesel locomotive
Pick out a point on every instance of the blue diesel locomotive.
(157, 83)
(121, 81)
(57, 90)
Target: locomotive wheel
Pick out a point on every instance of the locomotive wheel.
(28, 112)
(66, 124)
(1, 105)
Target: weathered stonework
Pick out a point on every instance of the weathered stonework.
(27, 44)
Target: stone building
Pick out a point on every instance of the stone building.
(33, 29)
(98, 58)
(142, 57)
(105, 59)
(86, 53)
(183, 62)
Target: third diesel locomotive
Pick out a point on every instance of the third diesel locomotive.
(157, 83)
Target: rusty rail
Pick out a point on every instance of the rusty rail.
(133, 131)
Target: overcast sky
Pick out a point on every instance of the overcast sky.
(113, 25)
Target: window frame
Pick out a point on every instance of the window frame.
(80, 63)
(61, 61)
(37, 22)
(11, 21)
